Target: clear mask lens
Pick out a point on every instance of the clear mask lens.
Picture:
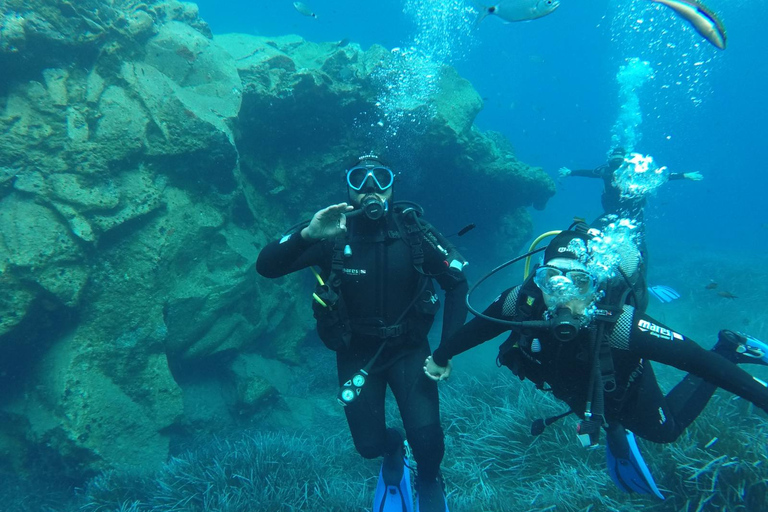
(565, 284)
(382, 177)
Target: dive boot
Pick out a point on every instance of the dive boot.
(430, 495)
(393, 491)
(741, 348)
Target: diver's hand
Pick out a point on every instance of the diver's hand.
(327, 223)
(563, 172)
(693, 176)
(435, 372)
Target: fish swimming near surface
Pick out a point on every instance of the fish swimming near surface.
(703, 19)
(304, 9)
(518, 10)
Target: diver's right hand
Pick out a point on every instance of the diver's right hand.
(563, 172)
(327, 223)
(435, 372)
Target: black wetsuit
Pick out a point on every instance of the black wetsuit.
(611, 199)
(636, 339)
(378, 283)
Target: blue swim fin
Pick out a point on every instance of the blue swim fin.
(741, 348)
(626, 465)
(663, 293)
(754, 349)
(393, 492)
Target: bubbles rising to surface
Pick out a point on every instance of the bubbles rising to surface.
(631, 77)
(681, 59)
(407, 83)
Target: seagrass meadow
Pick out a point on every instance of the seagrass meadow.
(492, 463)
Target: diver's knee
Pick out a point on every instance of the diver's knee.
(368, 450)
(670, 437)
(372, 447)
(428, 447)
(428, 437)
(662, 436)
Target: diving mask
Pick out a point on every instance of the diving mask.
(565, 284)
(383, 177)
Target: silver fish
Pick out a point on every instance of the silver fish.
(304, 9)
(701, 18)
(518, 10)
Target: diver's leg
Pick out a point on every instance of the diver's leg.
(367, 424)
(691, 395)
(662, 419)
(686, 400)
(365, 415)
(419, 405)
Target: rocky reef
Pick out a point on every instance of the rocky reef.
(143, 164)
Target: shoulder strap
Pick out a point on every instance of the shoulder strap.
(337, 260)
(526, 298)
(407, 223)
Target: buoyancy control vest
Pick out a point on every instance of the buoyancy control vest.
(334, 325)
(609, 329)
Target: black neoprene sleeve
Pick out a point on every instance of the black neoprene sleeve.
(476, 331)
(281, 257)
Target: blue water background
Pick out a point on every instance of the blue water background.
(550, 86)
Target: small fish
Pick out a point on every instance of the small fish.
(304, 9)
(702, 18)
(466, 229)
(343, 43)
(711, 286)
(518, 10)
(727, 295)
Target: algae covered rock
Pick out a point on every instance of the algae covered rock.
(88, 151)
(304, 102)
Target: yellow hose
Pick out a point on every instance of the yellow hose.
(322, 283)
(533, 246)
(317, 276)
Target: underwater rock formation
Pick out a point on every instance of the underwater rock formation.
(112, 126)
(320, 104)
(143, 164)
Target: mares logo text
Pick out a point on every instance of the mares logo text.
(658, 331)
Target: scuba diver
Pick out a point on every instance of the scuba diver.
(630, 204)
(571, 334)
(374, 305)
(612, 199)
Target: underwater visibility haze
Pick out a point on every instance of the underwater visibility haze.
(150, 150)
